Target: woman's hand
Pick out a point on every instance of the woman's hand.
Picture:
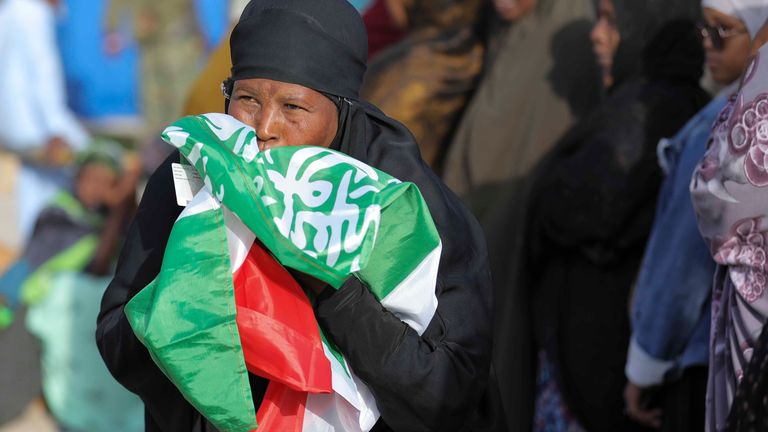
(635, 398)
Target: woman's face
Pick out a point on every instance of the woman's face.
(726, 64)
(95, 184)
(605, 39)
(284, 114)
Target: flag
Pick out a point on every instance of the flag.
(223, 303)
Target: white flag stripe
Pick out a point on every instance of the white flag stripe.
(239, 240)
(369, 414)
(202, 202)
(330, 413)
(414, 300)
(341, 382)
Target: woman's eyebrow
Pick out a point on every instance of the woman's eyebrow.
(730, 23)
(247, 88)
(295, 97)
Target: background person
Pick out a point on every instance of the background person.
(671, 312)
(75, 234)
(536, 82)
(171, 45)
(591, 212)
(35, 123)
(727, 189)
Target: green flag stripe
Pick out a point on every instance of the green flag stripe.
(394, 263)
(190, 329)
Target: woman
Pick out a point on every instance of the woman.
(728, 194)
(671, 312)
(301, 88)
(592, 204)
(749, 408)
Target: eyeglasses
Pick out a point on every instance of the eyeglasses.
(226, 88)
(718, 35)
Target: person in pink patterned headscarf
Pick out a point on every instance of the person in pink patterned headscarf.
(729, 190)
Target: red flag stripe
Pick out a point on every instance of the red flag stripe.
(282, 409)
(278, 332)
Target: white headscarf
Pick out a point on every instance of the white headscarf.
(752, 12)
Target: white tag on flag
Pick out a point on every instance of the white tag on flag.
(187, 182)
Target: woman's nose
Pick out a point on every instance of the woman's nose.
(267, 128)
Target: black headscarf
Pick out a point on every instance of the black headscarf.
(322, 45)
(639, 22)
(675, 53)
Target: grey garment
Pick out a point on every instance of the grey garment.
(20, 379)
(541, 79)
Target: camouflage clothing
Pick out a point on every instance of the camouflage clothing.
(171, 46)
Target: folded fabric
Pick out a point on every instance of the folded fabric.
(221, 306)
(78, 388)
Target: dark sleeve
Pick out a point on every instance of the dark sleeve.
(139, 263)
(428, 382)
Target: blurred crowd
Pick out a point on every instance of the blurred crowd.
(614, 152)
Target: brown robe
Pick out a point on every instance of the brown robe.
(426, 79)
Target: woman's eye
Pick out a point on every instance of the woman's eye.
(246, 99)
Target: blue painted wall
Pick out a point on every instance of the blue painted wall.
(97, 84)
(100, 85)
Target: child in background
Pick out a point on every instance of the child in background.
(57, 285)
(66, 233)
